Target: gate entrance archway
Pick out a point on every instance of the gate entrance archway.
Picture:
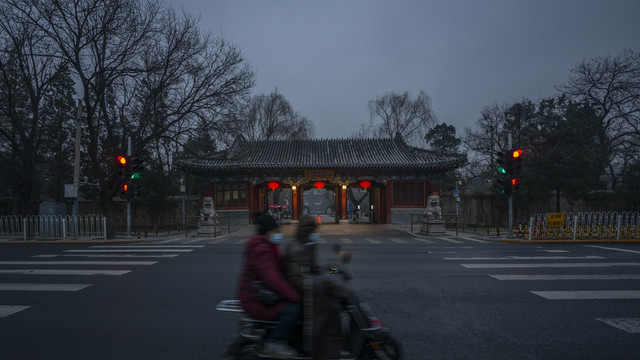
(396, 173)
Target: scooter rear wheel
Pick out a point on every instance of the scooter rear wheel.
(244, 349)
(391, 348)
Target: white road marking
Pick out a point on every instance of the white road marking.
(217, 241)
(449, 240)
(549, 265)
(630, 325)
(398, 241)
(423, 240)
(615, 249)
(64, 272)
(346, 240)
(45, 256)
(589, 295)
(42, 287)
(145, 246)
(567, 277)
(472, 239)
(6, 310)
(127, 250)
(555, 251)
(128, 263)
(372, 241)
(527, 258)
(122, 255)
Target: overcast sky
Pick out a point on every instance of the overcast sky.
(330, 57)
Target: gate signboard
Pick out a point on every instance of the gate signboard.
(555, 220)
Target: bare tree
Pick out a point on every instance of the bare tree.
(271, 117)
(394, 113)
(612, 86)
(28, 76)
(486, 139)
(145, 72)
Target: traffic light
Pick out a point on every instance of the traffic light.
(509, 166)
(505, 162)
(136, 165)
(128, 176)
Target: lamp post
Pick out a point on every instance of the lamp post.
(183, 190)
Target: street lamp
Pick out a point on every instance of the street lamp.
(183, 190)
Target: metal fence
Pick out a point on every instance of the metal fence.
(50, 227)
(586, 226)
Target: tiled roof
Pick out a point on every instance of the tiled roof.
(387, 154)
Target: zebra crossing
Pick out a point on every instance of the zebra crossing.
(335, 239)
(59, 267)
(540, 271)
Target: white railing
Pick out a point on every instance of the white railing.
(51, 227)
(587, 226)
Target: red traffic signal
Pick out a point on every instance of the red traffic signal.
(122, 161)
(124, 187)
(515, 181)
(516, 153)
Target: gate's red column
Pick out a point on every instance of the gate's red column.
(294, 205)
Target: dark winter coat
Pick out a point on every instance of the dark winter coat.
(261, 263)
(298, 257)
(328, 294)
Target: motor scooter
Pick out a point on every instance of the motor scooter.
(364, 335)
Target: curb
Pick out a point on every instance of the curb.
(630, 241)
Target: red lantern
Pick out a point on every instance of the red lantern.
(365, 184)
(273, 185)
(319, 185)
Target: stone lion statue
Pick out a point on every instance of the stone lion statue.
(433, 210)
(208, 212)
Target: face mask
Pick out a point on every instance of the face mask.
(276, 238)
(313, 238)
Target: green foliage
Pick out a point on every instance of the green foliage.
(561, 148)
(442, 138)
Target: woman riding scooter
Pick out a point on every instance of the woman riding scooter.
(262, 267)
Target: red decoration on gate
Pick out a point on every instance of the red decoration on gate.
(365, 184)
(273, 185)
(319, 185)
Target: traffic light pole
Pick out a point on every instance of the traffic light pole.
(128, 198)
(510, 228)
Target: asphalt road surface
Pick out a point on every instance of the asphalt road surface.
(443, 297)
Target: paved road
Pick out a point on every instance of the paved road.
(444, 300)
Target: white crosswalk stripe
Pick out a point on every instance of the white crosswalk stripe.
(64, 272)
(42, 287)
(124, 263)
(424, 240)
(449, 240)
(589, 295)
(396, 240)
(57, 267)
(372, 241)
(566, 277)
(6, 310)
(548, 265)
(627, 324)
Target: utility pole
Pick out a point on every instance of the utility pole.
(128, 197)
(510, 228)
(76, 171)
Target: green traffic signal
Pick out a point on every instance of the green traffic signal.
(136, 175)
(502, 170)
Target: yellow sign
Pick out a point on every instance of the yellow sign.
(555, 220)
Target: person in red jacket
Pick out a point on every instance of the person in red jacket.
(262, 263)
